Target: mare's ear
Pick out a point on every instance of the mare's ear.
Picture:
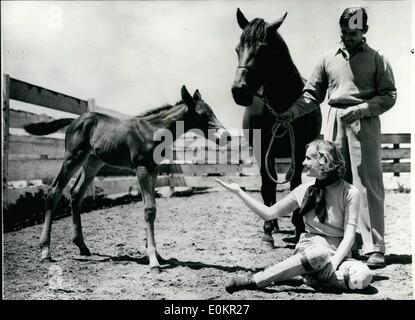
(275, 25)
(197, 96)
(187, 98)
(242, 21)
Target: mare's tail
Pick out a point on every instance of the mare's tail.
(44, 128)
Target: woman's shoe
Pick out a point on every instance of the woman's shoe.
(238, 283)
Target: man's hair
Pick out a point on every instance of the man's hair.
(354, 18)
(330, 158)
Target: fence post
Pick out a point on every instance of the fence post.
(91, 104)
(6, 126)
(396, 172)
(91, 108)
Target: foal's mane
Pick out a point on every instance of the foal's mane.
(158, 110)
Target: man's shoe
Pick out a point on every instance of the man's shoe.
(357, 247)
(376, 261)
(238, 283)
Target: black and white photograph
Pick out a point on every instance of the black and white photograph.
(207, 151)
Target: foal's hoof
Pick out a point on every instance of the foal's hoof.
(155, 270)
(85, 252)
(45, 255)
(160, 259)
(268, 241)
(46, 260)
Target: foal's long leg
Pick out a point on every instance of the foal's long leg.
(147, 185)
(72, 162)
(86, 176)
(154, 182)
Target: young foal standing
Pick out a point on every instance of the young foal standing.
(93, 140)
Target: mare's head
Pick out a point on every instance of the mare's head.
(259, 49)
(199, 115)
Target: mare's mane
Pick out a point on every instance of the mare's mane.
(254, 32)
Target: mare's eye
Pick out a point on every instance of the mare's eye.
(262, 47)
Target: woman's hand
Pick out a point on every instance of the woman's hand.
(234, 187)
(326, 273)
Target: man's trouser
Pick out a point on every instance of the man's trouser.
(360, 145)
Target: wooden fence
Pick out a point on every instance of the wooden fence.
(29, 158)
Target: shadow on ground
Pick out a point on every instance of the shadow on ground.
(166, 264)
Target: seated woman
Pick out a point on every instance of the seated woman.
(329, 207)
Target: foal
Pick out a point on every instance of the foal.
(93, 140)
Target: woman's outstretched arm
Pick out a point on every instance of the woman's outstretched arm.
(281, 208)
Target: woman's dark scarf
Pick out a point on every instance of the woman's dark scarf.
(314, 197)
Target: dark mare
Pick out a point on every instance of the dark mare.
(265, 62)
(93, 140)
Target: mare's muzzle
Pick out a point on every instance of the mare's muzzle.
(242, 96)
(241, 92)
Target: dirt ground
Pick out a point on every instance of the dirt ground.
(205, 239)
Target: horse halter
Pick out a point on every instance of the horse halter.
(288, 128)
(278, 123)
(244, 67)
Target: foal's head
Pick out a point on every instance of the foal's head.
(259, 49)
(199, 115)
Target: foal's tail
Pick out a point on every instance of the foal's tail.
(44, 128)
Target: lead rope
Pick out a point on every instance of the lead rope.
(288, 128)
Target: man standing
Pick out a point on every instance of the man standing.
(360, 86)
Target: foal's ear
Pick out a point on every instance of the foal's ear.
(187, 98)
(275, 25)
(242, 21)
(197, 96)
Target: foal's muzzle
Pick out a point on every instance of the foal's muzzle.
(223, 135)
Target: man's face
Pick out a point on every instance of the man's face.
(351, 38)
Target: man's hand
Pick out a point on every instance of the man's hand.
(286, 116)
(351, 114)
